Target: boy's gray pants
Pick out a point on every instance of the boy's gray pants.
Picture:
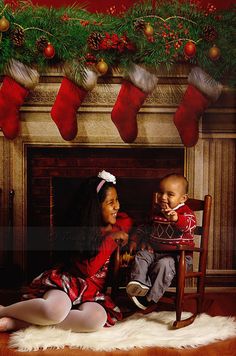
(155, 270)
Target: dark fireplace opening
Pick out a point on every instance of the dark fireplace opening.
(54, 175)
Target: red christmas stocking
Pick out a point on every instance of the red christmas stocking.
(127, 105)
(68, 100)
(132, 94)
(12, 95)
(201, 92)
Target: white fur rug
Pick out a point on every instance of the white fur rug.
(139, 330)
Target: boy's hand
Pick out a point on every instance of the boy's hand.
(169, 213)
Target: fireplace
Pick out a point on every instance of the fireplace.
(54, 175)
(27, 200)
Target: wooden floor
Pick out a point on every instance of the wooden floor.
(221, 303)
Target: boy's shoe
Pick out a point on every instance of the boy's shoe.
(141, 302)
(135, 288)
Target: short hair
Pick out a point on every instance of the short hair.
(177, 176)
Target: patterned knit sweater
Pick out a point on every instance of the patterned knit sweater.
(161, 231)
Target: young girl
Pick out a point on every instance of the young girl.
(71, 295)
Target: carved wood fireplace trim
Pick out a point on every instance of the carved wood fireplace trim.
(209, 166)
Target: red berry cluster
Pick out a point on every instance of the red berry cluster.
(115, 42)
(65, 17)
(90, 59)
(84, 22)
(210, 9)
(13, 4)
(170, 36)
(117, 12)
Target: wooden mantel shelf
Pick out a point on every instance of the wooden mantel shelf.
(155, 118)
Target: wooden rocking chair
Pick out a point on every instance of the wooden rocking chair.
(176, 298)
(202, 233)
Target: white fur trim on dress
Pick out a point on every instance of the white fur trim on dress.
(22, 74)
(142, 78)
(205, 83)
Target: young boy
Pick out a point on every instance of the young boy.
(173, 223)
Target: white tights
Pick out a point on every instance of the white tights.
(53, 309)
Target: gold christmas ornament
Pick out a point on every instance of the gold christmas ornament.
(4, 24)
(102, 67)
(214, 53)
(148, 30)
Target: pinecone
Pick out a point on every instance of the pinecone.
(41, 43)
(209, 33)
(94, 40)
(139, 25)
(17, 36)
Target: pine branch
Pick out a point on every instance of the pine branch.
(174, 24)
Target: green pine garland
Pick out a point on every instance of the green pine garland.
(174, 24)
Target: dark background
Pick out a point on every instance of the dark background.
(105, 5)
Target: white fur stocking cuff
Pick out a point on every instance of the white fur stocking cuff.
(205, 83)
(142, 78)
(88, 82)
(22, 74)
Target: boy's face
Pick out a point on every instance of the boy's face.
(171, 193)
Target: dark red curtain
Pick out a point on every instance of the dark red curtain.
(105, 5)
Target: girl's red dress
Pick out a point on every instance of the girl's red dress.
(86, 280)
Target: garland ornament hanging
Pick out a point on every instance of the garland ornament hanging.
(49, 51)
(190, 49)
(214, 53)
(4, 24)
(102, 67)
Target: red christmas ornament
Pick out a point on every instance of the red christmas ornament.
(190, 49)
(49, 51)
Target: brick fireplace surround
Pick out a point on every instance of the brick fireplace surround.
(209, 166)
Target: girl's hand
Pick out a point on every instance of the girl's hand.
(132, 247)
(146, 246)
(120, 237)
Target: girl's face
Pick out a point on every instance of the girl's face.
(110, 207)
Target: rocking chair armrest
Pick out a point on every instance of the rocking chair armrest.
(188, 248)
(177, 247)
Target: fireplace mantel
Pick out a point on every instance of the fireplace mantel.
(155, 126)
(209, 166)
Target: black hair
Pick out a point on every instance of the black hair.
(177, 176)
(88, 217)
